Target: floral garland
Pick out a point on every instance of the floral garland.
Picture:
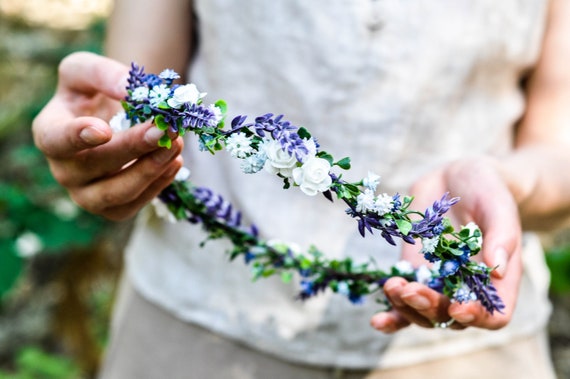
(292, 154)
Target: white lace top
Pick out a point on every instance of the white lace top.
(399, 86)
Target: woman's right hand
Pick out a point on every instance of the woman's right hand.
(113, 175)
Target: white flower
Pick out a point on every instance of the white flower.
(278, 160)
(371, 181)
(28, 244)
(162, 211)
(65, 209)
(311, 146)
(119, 122)
(187, 93)
(404, 267)
(463, 294)
(169, 74)
(217, 113)
(140, 93)
(158, 94)
(365, 201)
(254, 163)
(423, 274)
(183, 174)
(239, 145)
(429, 244)
(472, 228)
(313, 176)
(383, 204)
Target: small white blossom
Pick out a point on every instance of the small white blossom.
(311, 146)
(187, 93)
(254, 163)
(383, 204)
(162, 211)
(28, 244)
(183, 174)
(140, 93)
(423, 274)
(217, 113)
(429, 244)
(169, 74)
(371, 181)
(158, 94)
(464, 294)
(65, 209)
(239, 145)
(365, 201)
(119, 122)
(278, 160)
(313, 176)
(343, 289)
(404, 267)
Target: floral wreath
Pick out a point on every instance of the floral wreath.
(269, 142)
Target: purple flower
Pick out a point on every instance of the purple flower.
(485, 291)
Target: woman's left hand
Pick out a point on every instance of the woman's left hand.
(487, 201)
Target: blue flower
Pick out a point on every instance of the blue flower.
(248, 257)
(449, 267)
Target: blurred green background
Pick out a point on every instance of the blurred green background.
(58, 265)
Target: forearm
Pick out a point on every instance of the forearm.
(156, 34)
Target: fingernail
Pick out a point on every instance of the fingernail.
(500, 262)
(153, 135)
(92, 135)
(464, 318)
(418, 302)
(163, 155)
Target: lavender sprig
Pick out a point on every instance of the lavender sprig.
(291, 153)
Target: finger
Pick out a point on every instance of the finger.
(394, 289)
(389, 322)
(66, 124)
(129, 210)
(126, 186)
(89, 73)
(108, 159)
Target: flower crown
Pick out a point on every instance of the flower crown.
(270, 142)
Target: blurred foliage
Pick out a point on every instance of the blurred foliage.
(36, 217)
(558, 259)
(34, 363)
(56, 278)
(35, 214)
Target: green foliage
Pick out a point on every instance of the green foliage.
(32, 203)
(34, 363)
(558, 260)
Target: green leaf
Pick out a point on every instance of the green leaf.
(223, 106)
(286, 277)
(161, 123)
(327, 156)
(344, 163)
(303, 133)
(165, 141)
(404, 226)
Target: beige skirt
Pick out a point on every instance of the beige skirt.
(149, 343)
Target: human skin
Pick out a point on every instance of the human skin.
(116, 175)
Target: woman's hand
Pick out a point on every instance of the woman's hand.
(487, 201)
(112, 175)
